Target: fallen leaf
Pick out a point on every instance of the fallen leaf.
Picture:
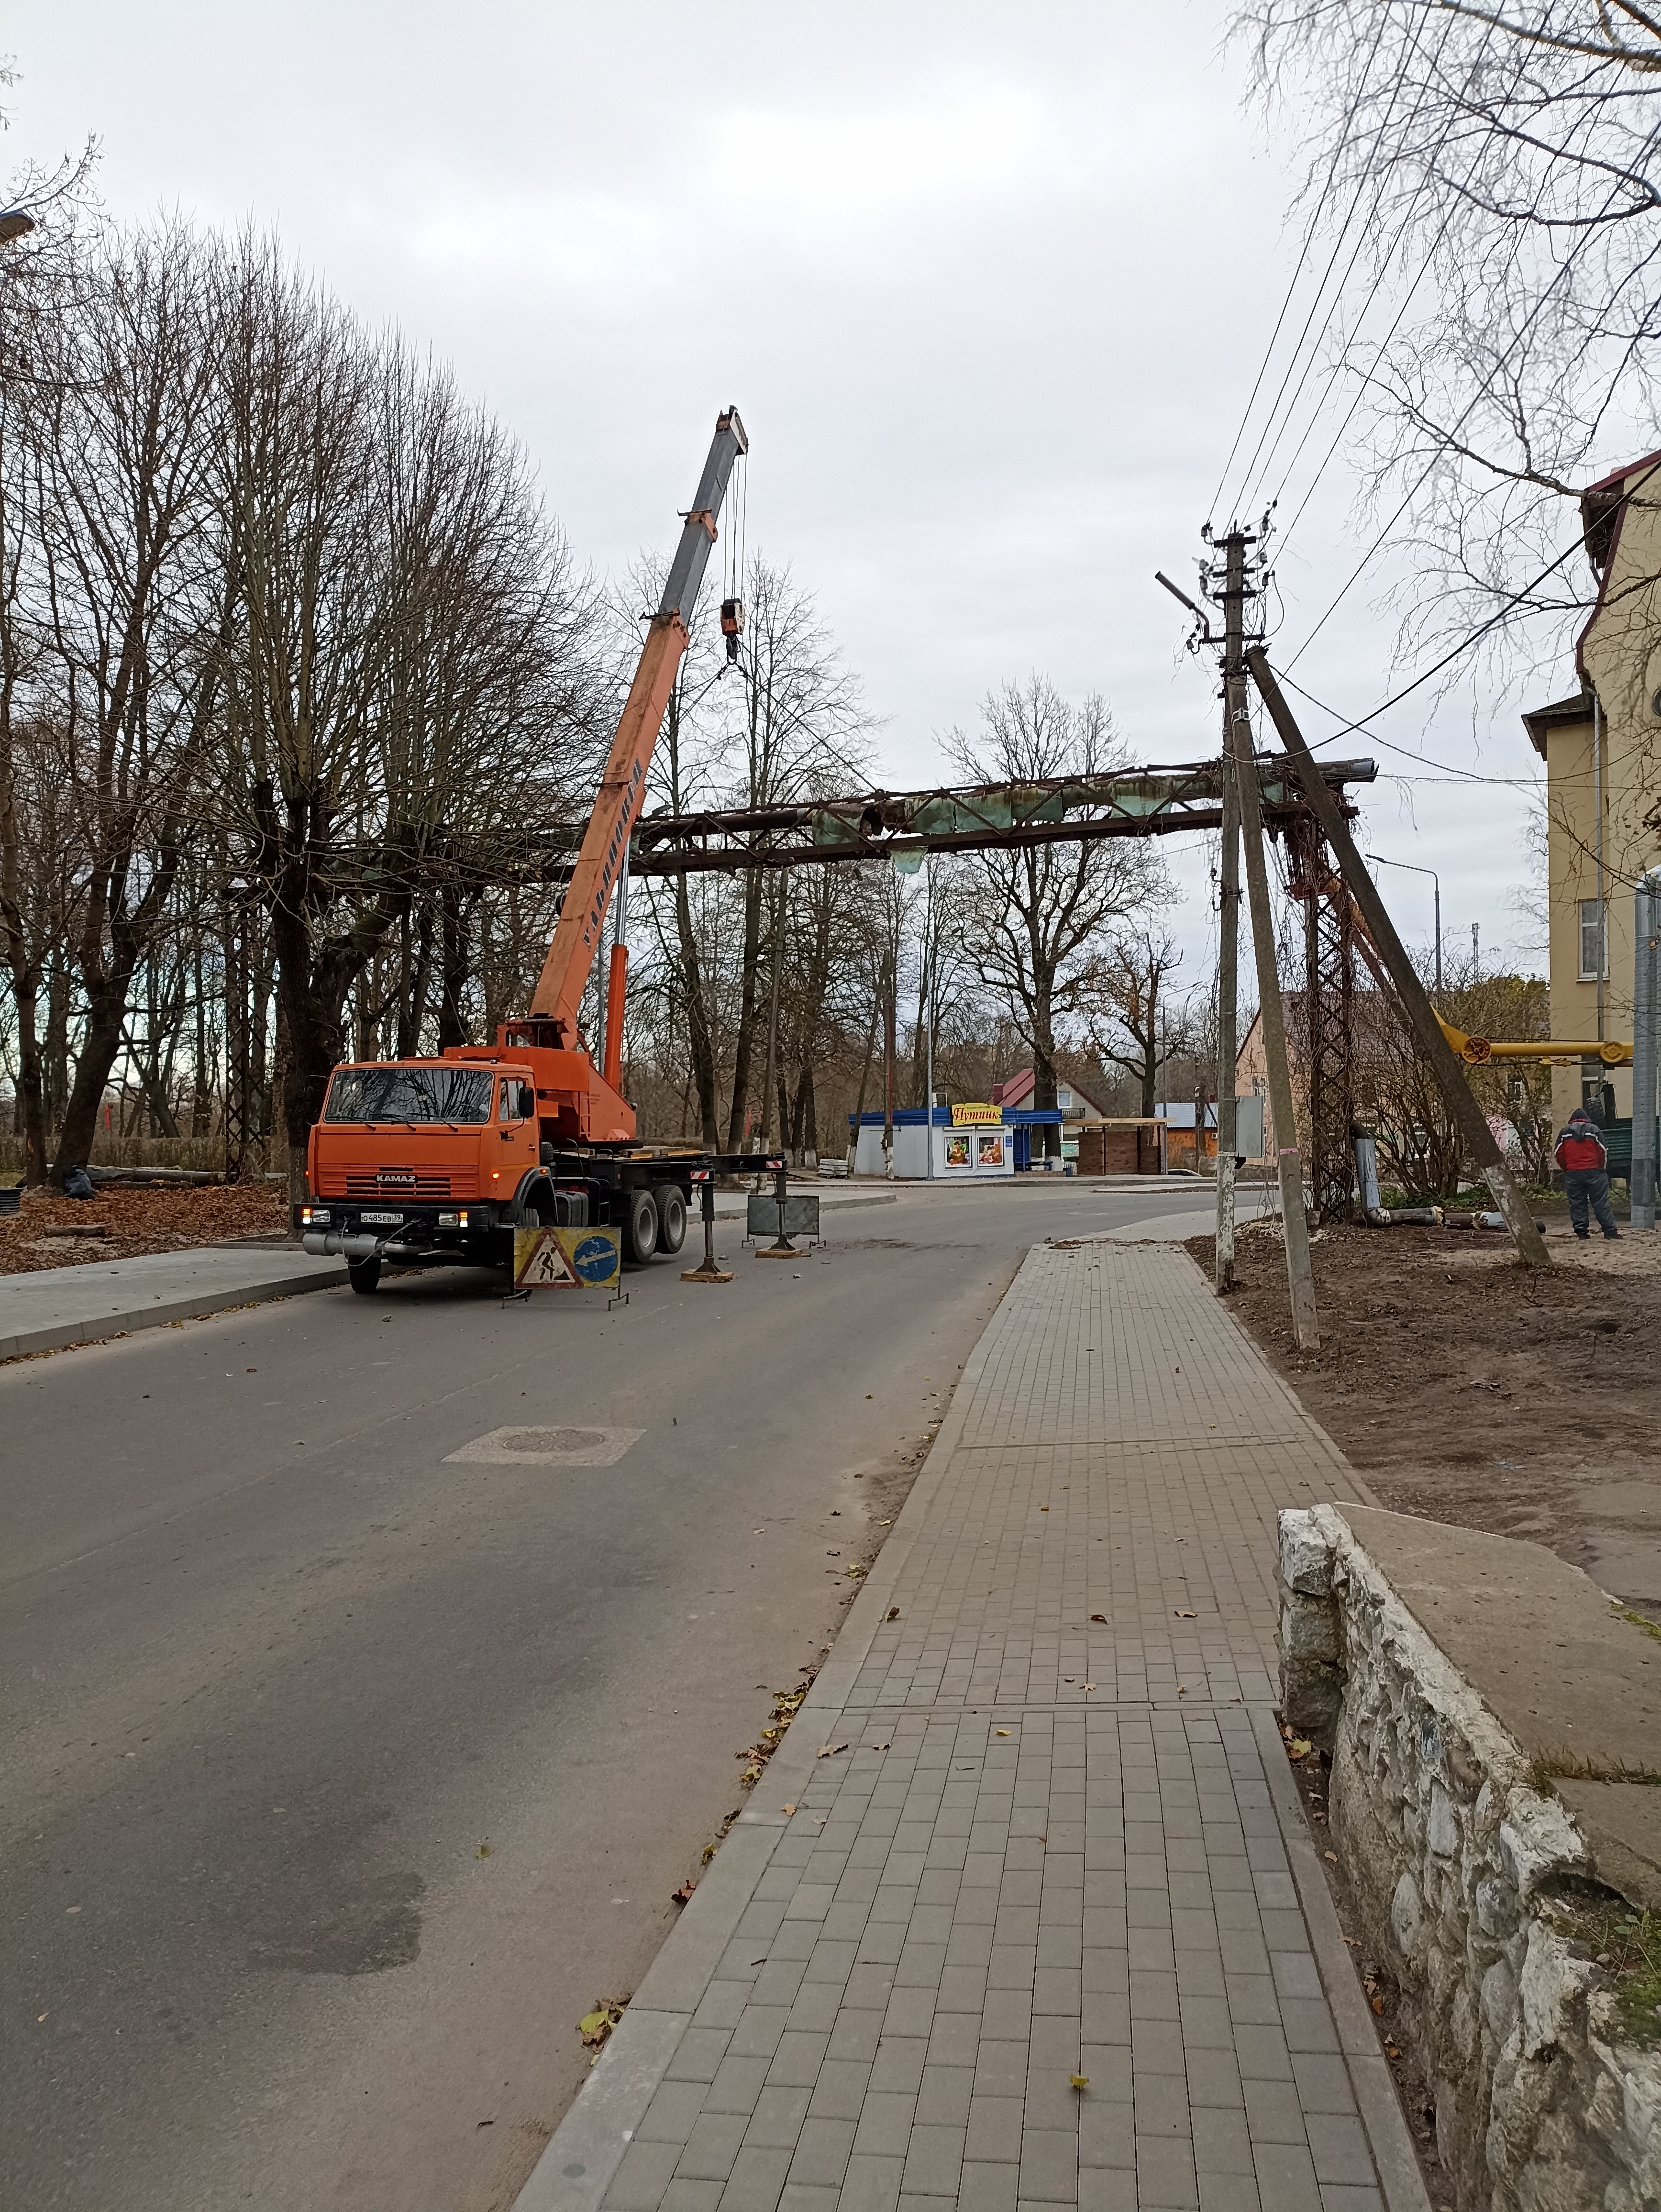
(594, 2026)
(787, 1808)
(709, 1853)
(1390, 2051)
(893, 1613)
(1378, 2006)
(1300, 1748)
(482, 1852)
(1102, 1617)
(1089, 1687)
(40, 2016)
(1003, 1731)
(1182, 1689)
(1182, 1614)
(1043, 1509)
(1080, 2080)
(1333, 1856)
(683, 1895)
(829, 1750)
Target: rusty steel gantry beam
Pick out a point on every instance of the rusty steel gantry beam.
(882, 825)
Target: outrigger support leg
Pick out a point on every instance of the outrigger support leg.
(708, 1272)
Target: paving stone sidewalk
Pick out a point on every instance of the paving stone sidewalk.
(1054, 1835)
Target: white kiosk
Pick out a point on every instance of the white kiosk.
(970, 1143)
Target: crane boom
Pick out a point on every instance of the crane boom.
(622, 787)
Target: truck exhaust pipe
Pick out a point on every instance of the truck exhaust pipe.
(326, 1244)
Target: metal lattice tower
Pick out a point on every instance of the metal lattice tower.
(1329, 1022)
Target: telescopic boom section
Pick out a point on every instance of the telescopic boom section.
(622, 787)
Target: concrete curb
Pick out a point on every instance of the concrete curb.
(587, 2148)
(1369, 2070)
(101, 1328)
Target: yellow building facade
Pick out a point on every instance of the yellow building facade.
(1601, 748)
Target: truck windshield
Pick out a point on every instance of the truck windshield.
(410, 1094)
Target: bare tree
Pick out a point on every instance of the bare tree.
(1491, 177)
(407, 660)
(121, 592)
(1038, 911)
(801, 729)
(1124, 995)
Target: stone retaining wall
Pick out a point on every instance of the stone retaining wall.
(1453, 1856)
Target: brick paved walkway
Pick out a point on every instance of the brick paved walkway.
(1051, 1846)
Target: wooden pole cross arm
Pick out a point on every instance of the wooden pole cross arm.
(1462, 1101)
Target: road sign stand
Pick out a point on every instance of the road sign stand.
(567, 1259)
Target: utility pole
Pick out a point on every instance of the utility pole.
(929, 1011)
(1294, 1224)
(1228, 914)
(1462, 1101)
(1646, 1019)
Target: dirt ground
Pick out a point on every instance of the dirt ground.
(152, 1218)
(1467, 1388)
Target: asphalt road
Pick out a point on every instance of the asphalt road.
(340, 1777)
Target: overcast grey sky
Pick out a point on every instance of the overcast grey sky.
(989, 284)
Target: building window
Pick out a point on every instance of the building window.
(1594, 949)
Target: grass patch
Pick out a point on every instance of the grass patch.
(1627, 1944)
(1546, 1767)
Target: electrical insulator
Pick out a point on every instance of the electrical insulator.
(732, 625)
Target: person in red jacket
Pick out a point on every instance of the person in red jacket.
(1585, 1161)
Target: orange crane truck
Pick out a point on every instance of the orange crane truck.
(435, 1160)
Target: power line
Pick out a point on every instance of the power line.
(1246, 500)
(1303, 255)
(1563, 267)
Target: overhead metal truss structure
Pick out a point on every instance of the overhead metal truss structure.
(903, 826)
(900, 828)
(895, 828)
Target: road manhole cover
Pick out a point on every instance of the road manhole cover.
(573, 1447)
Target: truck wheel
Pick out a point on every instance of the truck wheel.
(672, 1218)
(365, 1273)
(640, 1231)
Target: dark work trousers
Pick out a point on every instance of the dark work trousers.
(1590, 1187)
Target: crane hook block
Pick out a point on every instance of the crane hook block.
(732, 625)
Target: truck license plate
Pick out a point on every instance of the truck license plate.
(383, 1220)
